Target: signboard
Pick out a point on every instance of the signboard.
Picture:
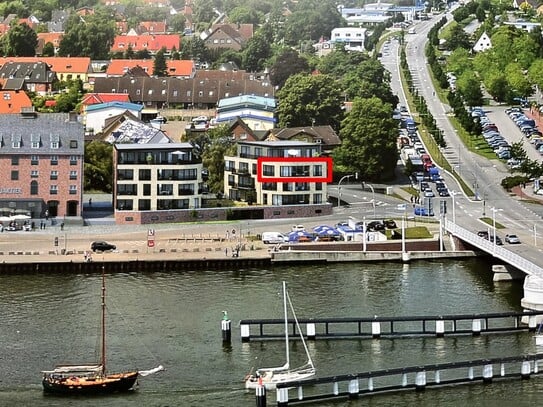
(150, 243)
(150, 232)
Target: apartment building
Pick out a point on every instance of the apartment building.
(285, 176)
(155, 178)
(41, 157)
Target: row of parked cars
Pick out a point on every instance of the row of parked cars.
(509, 238)
(492, 134)
(527, 127)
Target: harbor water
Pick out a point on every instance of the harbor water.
(174, 318)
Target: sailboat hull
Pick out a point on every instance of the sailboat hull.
(112, 383)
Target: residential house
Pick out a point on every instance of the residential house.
(14, 101)
(323, 135)
(65, 68)
(204, 90)
(290, 179)
(483, 43)
(97, 98)
(155, 182)
(58, 20)
(50, 37)
(523, 25)
(240, 131)
(351, 37)
(257, 112)
(228, 36)
(42, 159)
(36, 76)
(152, 27)
(97, 114)
(150, 42)
(127, 128)
(175, 68)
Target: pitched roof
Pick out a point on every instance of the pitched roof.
(127, 128)
(94, 98)
(73, 65)
(31, 72)
(324, 134)
(118, 105)
(119, 67)
(43, 126)
(13, 101)
(150, 42)
(151, 27)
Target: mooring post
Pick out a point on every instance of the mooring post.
(226, 328)
(245, 333)
(260, 393)
(282, 397)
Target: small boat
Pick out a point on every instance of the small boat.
(270, 377)
(89, 378)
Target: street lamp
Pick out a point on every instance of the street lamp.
(339, 188)
(494, 210)
(372, 196)
(453, 194)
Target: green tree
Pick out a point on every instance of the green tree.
(288, 63)
(368, 140)
(20, 41)
(48, 50)
(129, 53)
(258, 50)
(91, 37)
(310, 99)
(245, 15)
(159, 66)
(518, 81)
(535, 73)
(220, 145)
(339, 62)
(457, 38)
(468, 85)
(98, 166)
(142, 54)
(496, 84)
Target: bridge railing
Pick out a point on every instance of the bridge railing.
(497, 251)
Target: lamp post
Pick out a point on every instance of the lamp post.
(453, 194)
(372, 196)
(339, 188)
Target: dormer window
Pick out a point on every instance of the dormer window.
(55, 141)
(15, 141)
(35, 141)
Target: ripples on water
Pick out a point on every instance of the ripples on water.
(173, 319)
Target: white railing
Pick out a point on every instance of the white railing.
(497, 251)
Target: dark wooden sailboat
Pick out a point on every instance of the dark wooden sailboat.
(89, 378)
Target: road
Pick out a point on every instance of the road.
(483, 175)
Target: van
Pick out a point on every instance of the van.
(273, 238)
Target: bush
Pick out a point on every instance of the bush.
(509, 183)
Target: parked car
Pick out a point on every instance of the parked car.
(102, 246)
(298, 228)
(512, 239)
(498, 239)
(390, 224)
(376, 226)
(273, 238)
(420, 211)
(483, 234)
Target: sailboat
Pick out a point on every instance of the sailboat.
(270, 377)
(89, 378)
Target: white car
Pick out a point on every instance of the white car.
(512, 239)
(298, 228)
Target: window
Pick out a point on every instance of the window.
(73, 143)
(54, 160)
(34, 188)
(268, 170)
(54, 175)
(174, 93)
(55, 141)
(201, 93)
(15, 141)
(53, 189)
(145, 175)
(34, 174)
(73, 160)
(14, 160)
(35, 141)
(14, 175)
(73, 175)
(317, 170)
(73, 189)
(138, 92)
(34, 159)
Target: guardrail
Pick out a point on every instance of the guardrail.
(497, 251)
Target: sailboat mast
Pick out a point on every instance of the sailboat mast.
(103, 350)
(286, 323)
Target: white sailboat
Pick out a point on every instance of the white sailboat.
(270, 377)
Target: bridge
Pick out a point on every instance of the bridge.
(533, 284)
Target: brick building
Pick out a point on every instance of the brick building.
(41, 157)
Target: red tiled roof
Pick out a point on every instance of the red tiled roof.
(13, 101)
(57, 64)
(95, 98)
(53, 38)
(119, 67)
(151, 42)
